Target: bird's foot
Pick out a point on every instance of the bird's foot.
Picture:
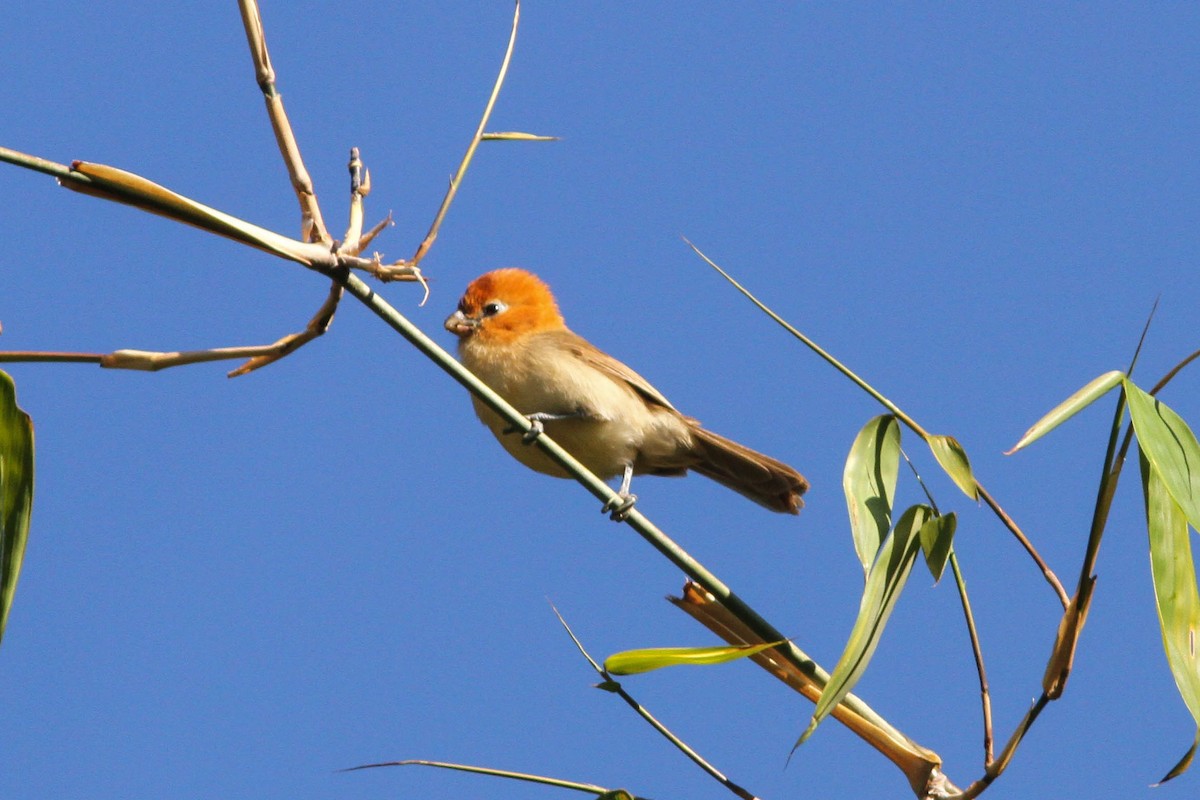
(536, 429)
(618, 508)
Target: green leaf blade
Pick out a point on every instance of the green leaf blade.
(1171, 447)
(953, 460)
(1175, 590)
(869, 482)
(885, 581)
(16, 492)
(633, 662)
(1092, 391)
(937, 543)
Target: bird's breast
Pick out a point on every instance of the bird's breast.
(612, 425)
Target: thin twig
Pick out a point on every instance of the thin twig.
(589, 788)
(456, 181)
(977, 651)
(997, 767)
(969, 616)
(1113, 462)
(1019, 535)
(312, 226)
(615, 687)
(40, 356)
(816, 348)
(379, 228)
(1162, 383)
(317, 326)
(912, 424)
(155, 360)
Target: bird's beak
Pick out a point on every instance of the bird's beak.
(460, 324)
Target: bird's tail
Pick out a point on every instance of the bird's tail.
(764, 480)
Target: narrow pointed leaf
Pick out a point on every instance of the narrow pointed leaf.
(1171, 447)
(869, 481)
(516, 136)
(632, 662)
(884, 582)
(1175, 590)
(1184, 763)
(16, 492)
(950, 454)
(937, 542)
(590, 788)
(1068, 408)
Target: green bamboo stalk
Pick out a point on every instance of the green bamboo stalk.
(45, 166)
(599, 489)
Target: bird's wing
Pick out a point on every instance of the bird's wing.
(586, 352)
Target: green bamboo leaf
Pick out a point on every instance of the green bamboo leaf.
(632, 662)
(1068, 408)
(950, 454)
(16, 492)
(884, 582)
(1171, 447)
(937, 543)
(516, 136)
(869, 481)
(1175, 591)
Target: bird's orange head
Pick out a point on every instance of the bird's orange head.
(504, 305)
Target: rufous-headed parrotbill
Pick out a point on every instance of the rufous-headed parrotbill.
(511, 335)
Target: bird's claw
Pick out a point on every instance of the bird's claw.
(536, 429)
(618, 507)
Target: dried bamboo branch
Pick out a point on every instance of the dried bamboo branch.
(312, 226)
(920, 765)
(113, 184)
(456, 181)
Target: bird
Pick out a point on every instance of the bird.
(512, 336)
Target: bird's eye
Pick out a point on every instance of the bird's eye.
(493, 308)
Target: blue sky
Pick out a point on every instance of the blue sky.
(236, 588)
